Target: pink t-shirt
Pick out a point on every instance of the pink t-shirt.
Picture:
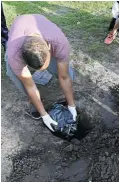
(29, 24)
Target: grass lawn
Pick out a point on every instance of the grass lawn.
(91, 18)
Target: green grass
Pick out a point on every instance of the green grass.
(96, 46)
(91, 18)
(77, 11)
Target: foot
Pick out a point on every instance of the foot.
(35, 115)
(109, 39)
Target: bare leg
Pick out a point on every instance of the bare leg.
(116, 27)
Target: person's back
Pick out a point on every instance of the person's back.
(26, 25)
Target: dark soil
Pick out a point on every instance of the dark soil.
(31, 153)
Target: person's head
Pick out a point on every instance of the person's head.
(35, 52)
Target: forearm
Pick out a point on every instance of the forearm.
(34, 96)
(66, 85)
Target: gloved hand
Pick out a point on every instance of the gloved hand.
(48, 121)
(73, 112)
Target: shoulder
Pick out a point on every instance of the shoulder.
(16, 61)
(62, 49)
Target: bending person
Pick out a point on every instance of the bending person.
(35, 42)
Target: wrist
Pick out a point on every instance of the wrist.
(71, 106)
(44, 114)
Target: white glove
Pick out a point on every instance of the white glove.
(48, 121)
(73, 112)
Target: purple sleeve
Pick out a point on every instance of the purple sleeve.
(17, 64)
(62, 51)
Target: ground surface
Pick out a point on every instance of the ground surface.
(29, 151)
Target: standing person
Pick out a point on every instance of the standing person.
(35, 42)
(4, 29)
(114, 24)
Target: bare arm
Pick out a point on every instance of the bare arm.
(32, 91)
(66, 82)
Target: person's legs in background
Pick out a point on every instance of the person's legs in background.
(4, 29)
(116, 27)
(114, 24)
(115, 14)
(112, 35)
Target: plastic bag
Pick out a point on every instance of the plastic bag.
(66, 127)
